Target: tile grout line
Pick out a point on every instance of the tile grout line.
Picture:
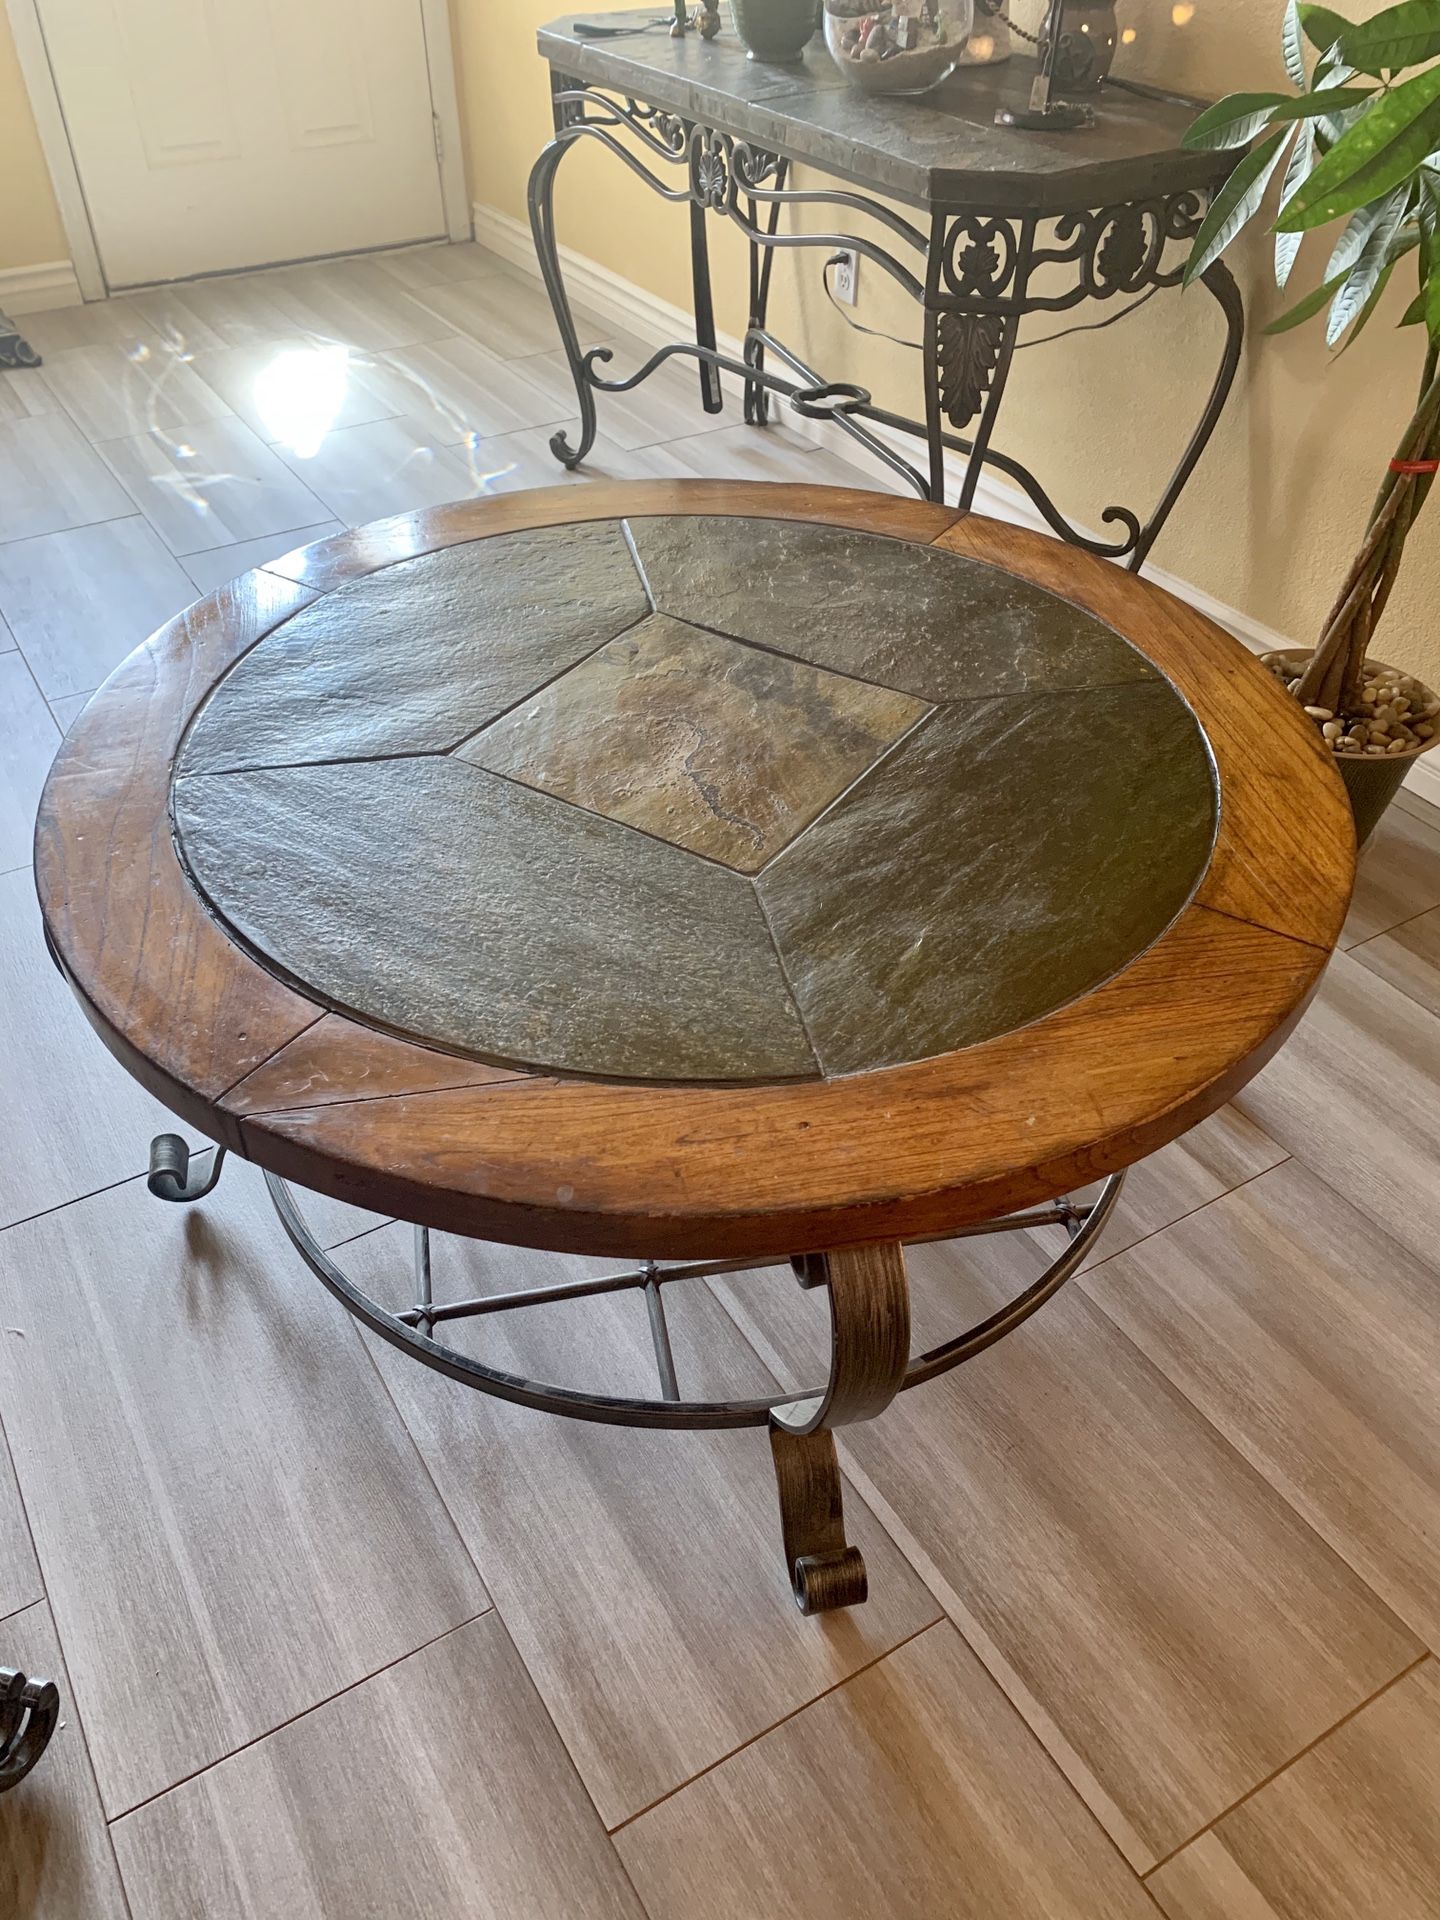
(70, 1705)
(1052, 1765)
(1189, 1214)
(44, 1598)
(497, 1611)
(197, 1773)
(941, 1620)
(570, 1760)
(1285, 1767)
(405, 1428)
(75, 1200)
(1167, 1385)
(1384, 933)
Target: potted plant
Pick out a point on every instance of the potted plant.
(1359, 143)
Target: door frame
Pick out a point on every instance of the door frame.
(39, 78)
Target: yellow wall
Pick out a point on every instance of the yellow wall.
(30, 230)
(1280, 500)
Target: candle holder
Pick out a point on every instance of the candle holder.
(1045, 113)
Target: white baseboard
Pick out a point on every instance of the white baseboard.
(34, 289)
(620, 302)
(1423, 779)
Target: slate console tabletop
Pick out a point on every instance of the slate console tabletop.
(694, 872)
(984, 227)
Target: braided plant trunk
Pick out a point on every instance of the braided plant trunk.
(1335, 674)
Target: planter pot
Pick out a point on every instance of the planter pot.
(775, 31)
(1371, 780)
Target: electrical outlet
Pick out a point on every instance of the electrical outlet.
(845, 275)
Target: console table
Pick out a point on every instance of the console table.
(981, 225)
(705, 876)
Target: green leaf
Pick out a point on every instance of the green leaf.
(1335, 125)
(1322, 27)
(1352, 242)
(1305, 309)
(1424, 309)
(1384, 148)
(1297, 171)
(1375, 298)
(1291, 45)
(1377, 258)
(1235, 121)
(1234, 205)
(1402, 36)
(1312, 105)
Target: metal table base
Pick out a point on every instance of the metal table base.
(824, 1569)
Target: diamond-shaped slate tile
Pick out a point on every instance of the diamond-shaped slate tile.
(414, 658)
(697, 739)
(933, 623)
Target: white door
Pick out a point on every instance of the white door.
(215, 134)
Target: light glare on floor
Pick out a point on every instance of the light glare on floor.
(300, 394)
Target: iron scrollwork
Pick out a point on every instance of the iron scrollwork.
(1124, 249)
(975, 274)
(967, 352)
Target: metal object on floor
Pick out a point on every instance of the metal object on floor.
(977, 270)
(16, 352)
(170, 1177)
(29, 1710)
(870, 1355)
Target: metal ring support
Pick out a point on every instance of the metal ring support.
(869, 1301)
(1083, 1223)
(869, 1338)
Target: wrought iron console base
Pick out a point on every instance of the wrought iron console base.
(29, 1710)
(870, 1352)
(975, 273)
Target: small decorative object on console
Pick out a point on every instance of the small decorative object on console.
(775, 32)
(705, 20)
(899, 46)
(989, 41)
(1088, 33)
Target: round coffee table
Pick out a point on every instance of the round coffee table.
(713, 876)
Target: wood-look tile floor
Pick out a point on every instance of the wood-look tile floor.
(1155, 1583)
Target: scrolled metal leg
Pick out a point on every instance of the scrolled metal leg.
(29, 1710)
(870, 1350)
(1221, 285)
(825, 1570)
(541, 198)
(170, 1177)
